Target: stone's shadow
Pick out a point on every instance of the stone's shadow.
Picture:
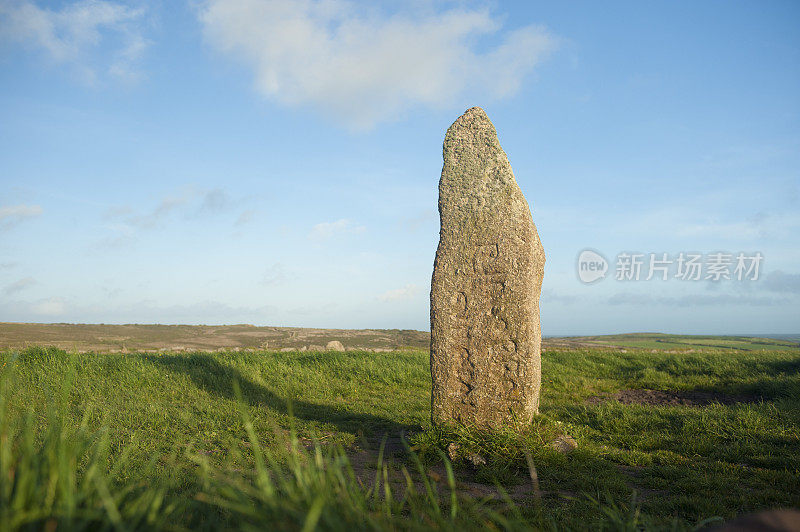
(790, 367)
(696, 397)
(214, 377)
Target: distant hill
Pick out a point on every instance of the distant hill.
(135, 337)
(680, 342)
(790, 337)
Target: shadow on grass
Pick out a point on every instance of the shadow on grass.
(214, 377)
(789, 367)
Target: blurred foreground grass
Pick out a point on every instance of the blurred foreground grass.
(165, 441)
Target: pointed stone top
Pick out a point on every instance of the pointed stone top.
(473, 131)
(475, 111)
(473, 118)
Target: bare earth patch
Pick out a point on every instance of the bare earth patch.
(673, 398)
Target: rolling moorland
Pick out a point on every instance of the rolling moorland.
(103, 338)
(173, 432)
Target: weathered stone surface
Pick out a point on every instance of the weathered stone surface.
(334, 345)
(487, 278)
(564, 444)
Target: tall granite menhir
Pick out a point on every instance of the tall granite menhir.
(487, 278)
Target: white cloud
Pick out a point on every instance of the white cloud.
(12, 215)
(362, 66)
(19, 286)
(326, 230)
(400, 294)
(79, 34)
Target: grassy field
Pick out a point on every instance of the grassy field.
(338, 440)
(678, 342)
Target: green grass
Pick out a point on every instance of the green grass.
(165, 441)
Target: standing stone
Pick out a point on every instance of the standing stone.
(487, 278)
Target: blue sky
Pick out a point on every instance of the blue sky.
(277, 163)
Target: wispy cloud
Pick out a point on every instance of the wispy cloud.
(19, 286)
(694, 300)
(214, 202)
(117, 212)
(426, 219)
(326, 230)
(121, 235)
(275, 274)
(779, 281)
(194, 203)
(362, 65)
(146, 311)
(53, 306)
(551, 296)
(12, 215)
(160, 212)
(125, 224)
(98, 38)
(712, 216)
(7, 265)
(400, 294)
(245, 217)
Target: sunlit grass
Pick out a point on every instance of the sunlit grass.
(165, 441)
